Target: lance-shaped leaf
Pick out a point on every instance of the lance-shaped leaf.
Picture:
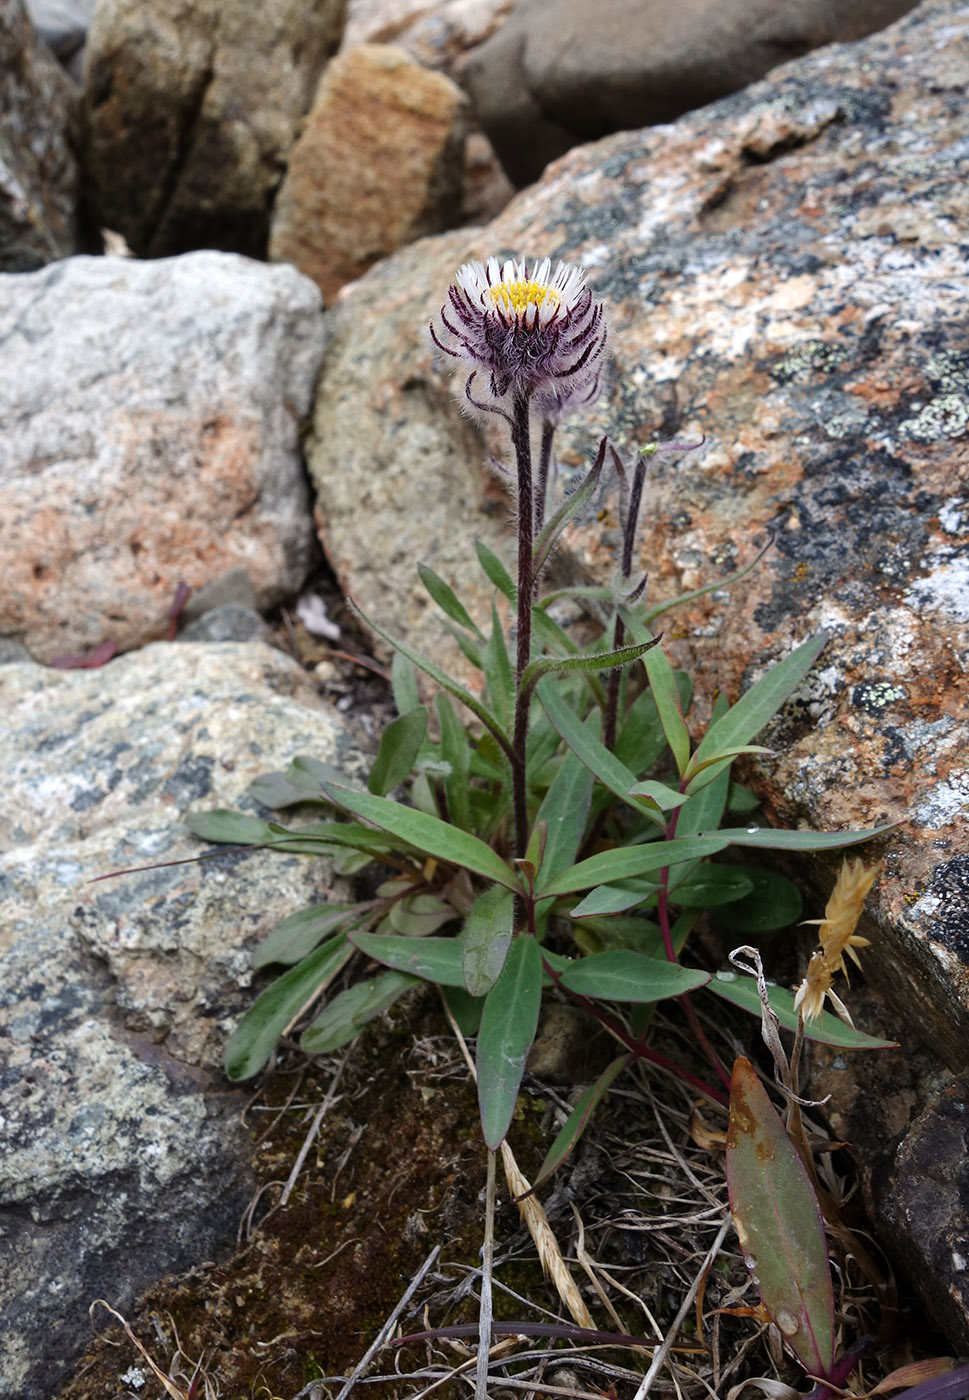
(610, 771)
(742, 991)
(433, 959)
(621, 975)
(508, 1025)
(567, 512)
(496, 571)
(565, 811)
(779, 1223)
(428, 834)
(299, 933)
(613, 899)
(498, 673)
(760, 703)
(578, 1120)
(430, 668)
(400, 744)
(629, 862)
(348, 1013)
(486, 938)
(456, 753)
(231, 828)
(447, 600)
(665, 692)
(299, 784)
(255, 1037)
(774, 838)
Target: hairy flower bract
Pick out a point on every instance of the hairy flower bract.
(534, 332)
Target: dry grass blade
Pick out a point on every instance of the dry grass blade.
(175, 1391)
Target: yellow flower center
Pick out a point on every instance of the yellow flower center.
(518, 296)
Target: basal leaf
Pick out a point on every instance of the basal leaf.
(741, 991)
(498, 673)
(254, 1039)
(709, 886)
(299, 933)
(773, 902)
(486, 938)
(779, 1223)
(578, 1120)
(565, 811)
(779, 839)
(230, 828)
(347, 1014)
(455, 751)
(663, 687)
(629, 862)
(621, 975)
(428, 834)
(508, 1024)
(400, 744)
(433, 959)
(613, 899)
(403, 680)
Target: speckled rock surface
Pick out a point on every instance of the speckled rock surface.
(549, 79)
(124, 1156)
(378, 164)
(783, 273)
(38, 167)
(153, 415)
(190, 112)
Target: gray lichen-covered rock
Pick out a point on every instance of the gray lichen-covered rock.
(783, 273)
(152, 417)
(552, 76)
(38, 167)
(124, 1156)
(190, 112)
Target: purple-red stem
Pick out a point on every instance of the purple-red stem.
(521, 440)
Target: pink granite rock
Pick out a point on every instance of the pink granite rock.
(152, 415)
(378, 164)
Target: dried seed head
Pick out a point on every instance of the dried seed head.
(836, 934)
(536, 333)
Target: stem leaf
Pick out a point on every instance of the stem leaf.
(508, 1025)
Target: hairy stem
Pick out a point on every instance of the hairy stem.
(521, 441)
(544, 464)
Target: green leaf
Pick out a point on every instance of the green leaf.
(741, 799)
(613, 899)
(578, 1120)
(629, 862)
(348, 1013)
(779, 1223)
(496, 571)
(428, 834)
(709, 886)
(254, 1039)
(773, 902)
(599, 661)
(583, 742)
(430, 668)
(640, 740)
(760, 703)
(300, 783)
(420, 914)
(447, 600)
(741, 991)
(508, 1025)
(465, 1009)
(400, 744)
(486, 939)
(698, 775)
(455, 751)
(774, 838)
(299, 933)
(498, 673)
(620, 975)
(567, 512)
(666, 798)
(230, 828)
(403, 680)
(725, 582)
(565, 811)
(433, 959)
(663, 687)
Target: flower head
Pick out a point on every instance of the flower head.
(537, 333)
